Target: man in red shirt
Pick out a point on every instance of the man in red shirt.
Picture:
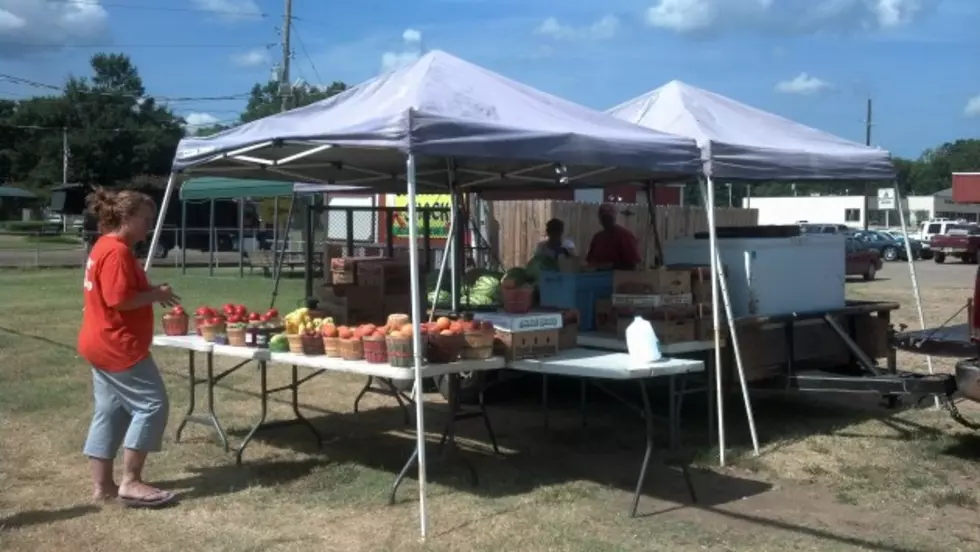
(131, 406)
(613, 247)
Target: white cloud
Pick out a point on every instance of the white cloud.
(411, 51)
(802, 84)
(196, 121)
(252, 58)
(29, 26)
(972, 108)
(601, 29)
(230, 10)
(795, 16)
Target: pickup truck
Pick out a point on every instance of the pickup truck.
(960, 241)
(861, 260)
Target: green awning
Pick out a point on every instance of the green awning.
(11, 192)
(233, 188)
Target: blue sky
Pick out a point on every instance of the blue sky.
(814, 61)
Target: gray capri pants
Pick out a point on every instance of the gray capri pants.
(131, 409)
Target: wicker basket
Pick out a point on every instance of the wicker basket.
(375, 350)
(313, 345)
(209, 331)
(517, 300)
(396, 321)
(331, 346)
(443, 349)
(295, 343)
(400, 351)
(198, 322)
(175, 324)
(236, 337)
(478, 345)
(352, 349)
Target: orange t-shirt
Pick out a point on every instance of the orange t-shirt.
(111, 339)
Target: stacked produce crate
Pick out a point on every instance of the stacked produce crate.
(363, 290)
(675, 299)
(523, 336)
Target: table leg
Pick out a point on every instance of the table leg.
(209, 418)
(191, 395)
(448, 437)
(583, 401)
(486, 423)
(544, 399)
(387, 388)
(210, 404)
(264, 409)
(294, 392)
(648, 420)
(648, 452)
(672, 408)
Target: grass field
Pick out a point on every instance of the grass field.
(830, 477)
(36, 242)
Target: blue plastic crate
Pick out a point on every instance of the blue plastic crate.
(567, 290)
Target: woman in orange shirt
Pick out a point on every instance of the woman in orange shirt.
(131, 406)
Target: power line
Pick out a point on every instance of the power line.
(169, 99)
(118, 129)
(302, 47)
(20, 44)
(141, 7)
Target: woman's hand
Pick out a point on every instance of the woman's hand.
(165, 295)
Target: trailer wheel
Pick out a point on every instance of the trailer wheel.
(925, 254)
(870, 274)
(940, 258)
(970, 258)
(470, 385)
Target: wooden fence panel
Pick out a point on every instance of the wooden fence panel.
(520, 224)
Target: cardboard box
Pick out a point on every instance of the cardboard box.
(651, 301)
(522, 323)
(350, 304)
(668, 330)
(661, 281)
(522, 345)
(605, 317)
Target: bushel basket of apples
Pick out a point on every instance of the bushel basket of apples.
(176, 322)
(399, 343)
(478, 338)
(445, 340)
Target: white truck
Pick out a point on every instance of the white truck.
(931, 228)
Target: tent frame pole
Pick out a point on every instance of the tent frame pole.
(912, 273)
(279, 253)
(413, 257)
(161, 215)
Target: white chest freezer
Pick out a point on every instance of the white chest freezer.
(773, 276)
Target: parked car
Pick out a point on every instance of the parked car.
(821, 228)
(916, 244)
(960, 241)
(889, 248)
(861, 260)
(934, 227)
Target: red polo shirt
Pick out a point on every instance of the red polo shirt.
(616, 247)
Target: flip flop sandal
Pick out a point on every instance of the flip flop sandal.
(155, 500)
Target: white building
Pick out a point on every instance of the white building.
(852, 210)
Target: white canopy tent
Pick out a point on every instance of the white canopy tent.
(740, 142)
(441, 124)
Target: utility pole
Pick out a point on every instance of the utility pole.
(65, 154)
(287, 24)
(867, 141)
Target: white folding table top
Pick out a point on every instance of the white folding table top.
(612, 343)
(188, 342)
(322, 362)
(585, 363)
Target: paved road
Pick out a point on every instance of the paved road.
(28, 258)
